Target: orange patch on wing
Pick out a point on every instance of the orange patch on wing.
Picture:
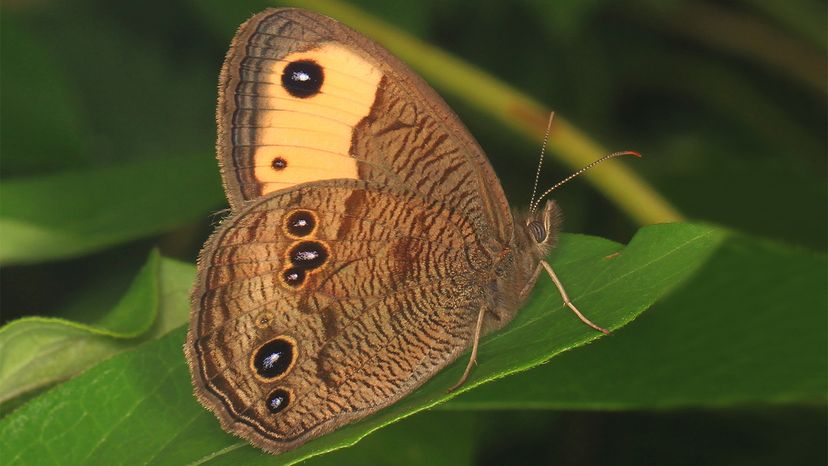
(312, 135)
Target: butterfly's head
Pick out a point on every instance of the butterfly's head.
(543, 226)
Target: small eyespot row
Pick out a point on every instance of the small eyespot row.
(304, 256)
(272, 361)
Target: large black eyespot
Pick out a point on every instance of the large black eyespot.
(308, 255)
(278, 400)
(274, 358)
(302, 78)
(294, 276)
(300, 223)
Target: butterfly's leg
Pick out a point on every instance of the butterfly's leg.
(531, 283)
(567, 301)
(473, 358)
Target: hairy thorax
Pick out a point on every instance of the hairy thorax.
(514, 271)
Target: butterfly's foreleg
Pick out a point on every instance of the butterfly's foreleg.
(473, 357)
(567, 301)
(531, 283)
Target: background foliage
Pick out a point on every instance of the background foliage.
(109, 186)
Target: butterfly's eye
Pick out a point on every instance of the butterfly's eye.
(537, 230)
(303, 78)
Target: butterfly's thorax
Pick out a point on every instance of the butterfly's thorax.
(514, 273)
(535, 234)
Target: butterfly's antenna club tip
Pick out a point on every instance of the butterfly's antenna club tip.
(557, 185)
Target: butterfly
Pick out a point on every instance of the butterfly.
(369, 244)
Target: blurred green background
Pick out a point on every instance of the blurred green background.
(726, 100)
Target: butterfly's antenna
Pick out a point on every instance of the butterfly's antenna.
(540, 162)
(568, 178)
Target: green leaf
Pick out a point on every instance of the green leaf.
(143, 399)
(33, 81)
(176, 280)
(38, 351)
(435, 438)
(157, 98)
(750, 327)
(69, 214)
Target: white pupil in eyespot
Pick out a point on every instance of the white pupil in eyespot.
(301, 76)
(271, 360)
(307, 255)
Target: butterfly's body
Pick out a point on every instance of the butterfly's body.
(369, 245)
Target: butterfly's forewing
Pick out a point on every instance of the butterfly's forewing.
(304, 98)
(312, 310)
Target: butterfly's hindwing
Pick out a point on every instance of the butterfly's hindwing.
(387, 295)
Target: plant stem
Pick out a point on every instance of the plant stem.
(514, 109)
(726, 29)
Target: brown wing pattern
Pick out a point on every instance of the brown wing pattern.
(371, 118)
(388, 299)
